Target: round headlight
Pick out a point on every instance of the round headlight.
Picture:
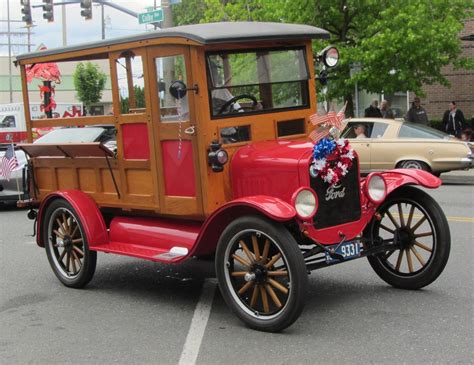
(305, 202)
(330, 56)
(376, 188)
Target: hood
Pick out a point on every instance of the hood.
(270, 168)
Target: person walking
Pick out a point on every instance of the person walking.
(373, 110)
(417, 114)
(453, 120)
(386, 111)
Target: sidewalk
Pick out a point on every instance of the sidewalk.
(459, 177)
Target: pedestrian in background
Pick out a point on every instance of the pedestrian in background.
(386, 111)
(417, 114)
(373, 110)
(466, 135)
(453, 120)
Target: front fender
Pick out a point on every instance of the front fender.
(273, 208)
(399, 177)
(87, 211)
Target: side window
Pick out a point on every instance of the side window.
(7, 121)
(131, 83)
(168, 70)
(378, 130)
(359, 130)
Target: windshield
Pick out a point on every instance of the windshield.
(71, 135)
(242, 82)
(412, 130)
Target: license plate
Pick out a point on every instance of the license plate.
(348, 250)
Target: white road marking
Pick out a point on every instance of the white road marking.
(198, 324)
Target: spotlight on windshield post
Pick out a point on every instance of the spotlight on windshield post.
(329, 56)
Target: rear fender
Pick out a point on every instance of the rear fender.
(399, 177)
(273, 208)
(87, 211)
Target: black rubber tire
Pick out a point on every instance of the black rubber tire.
(295, 265)
(409, 164)
(441, 246)
(89, 259)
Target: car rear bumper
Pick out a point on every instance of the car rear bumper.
(445, 165)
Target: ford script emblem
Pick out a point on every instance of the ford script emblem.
(335, 192)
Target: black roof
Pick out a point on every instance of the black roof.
(208, 33)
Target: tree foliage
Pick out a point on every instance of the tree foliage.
(89, 82)
(139, 100)
(398, 44)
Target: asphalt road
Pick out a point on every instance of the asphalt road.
(141, 312)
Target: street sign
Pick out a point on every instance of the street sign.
(151, 17)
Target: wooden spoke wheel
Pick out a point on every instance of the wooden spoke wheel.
(416, 226)
(66, 245)
(261, 273)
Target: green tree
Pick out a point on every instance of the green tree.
(399, 44)
(89, 82)
(139, 99)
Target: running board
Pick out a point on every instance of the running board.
(143, 252)
(155, 239)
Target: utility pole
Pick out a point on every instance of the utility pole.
(9, 52)
(102, 20)
(63, 16)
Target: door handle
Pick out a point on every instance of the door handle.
(190, 130)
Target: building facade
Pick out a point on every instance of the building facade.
(65, 91)
(437, 97)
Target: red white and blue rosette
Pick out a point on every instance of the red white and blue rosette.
(332, 159)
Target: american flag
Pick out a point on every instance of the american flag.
(319, 133)
(330, 119)
(8, 163)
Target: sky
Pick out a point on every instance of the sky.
(79, 30)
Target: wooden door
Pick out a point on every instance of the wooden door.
(175, 128)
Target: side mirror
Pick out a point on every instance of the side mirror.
(178, 89)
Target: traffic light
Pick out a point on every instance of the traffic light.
(86, 5)
(48, 12)
(26, 10)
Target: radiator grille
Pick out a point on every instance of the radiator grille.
(340, 204)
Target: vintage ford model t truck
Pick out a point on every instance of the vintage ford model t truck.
(215, 159)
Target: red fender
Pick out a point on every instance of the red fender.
(273, 208)
(399, 177)
(87, 211)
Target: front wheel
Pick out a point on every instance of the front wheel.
(261, 273)
(66, 245)
(414, 223)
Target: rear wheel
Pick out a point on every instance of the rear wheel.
(419, 231)
(414, 164)
(261, 272)
(66, 245)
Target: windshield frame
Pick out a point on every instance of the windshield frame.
(306, 95)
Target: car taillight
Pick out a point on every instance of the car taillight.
(376, 188)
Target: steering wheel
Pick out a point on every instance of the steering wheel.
(232, 101)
